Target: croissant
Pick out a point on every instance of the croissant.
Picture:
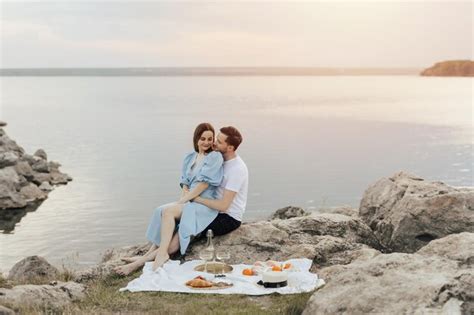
(199, 283)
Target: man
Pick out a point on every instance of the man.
(230, 203)
(232, 192)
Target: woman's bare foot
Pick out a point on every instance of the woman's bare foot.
(131, 259)
(160, 260)
(126, 269)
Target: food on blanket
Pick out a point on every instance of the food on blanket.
(276, 268)
(200, 277)
(271, 263)
(287, 266)
(199, 282)
(247, 272)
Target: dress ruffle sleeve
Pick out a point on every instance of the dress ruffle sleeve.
(185, 179)
(212, 169)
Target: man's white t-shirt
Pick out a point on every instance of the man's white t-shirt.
(236, 178)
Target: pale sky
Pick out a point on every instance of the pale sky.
(199, 33)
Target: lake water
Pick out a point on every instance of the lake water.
(308, 141)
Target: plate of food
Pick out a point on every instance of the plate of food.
(201, 283)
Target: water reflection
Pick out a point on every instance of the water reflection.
(9, 218)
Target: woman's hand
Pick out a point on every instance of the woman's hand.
(191, 194)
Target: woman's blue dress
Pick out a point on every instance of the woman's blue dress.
(195, 217)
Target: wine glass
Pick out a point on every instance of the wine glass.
(206, 255)
(222, 255)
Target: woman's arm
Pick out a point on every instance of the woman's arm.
(196, 191)
(184, 190)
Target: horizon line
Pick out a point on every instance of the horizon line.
(206, 71)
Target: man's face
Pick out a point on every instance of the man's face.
(220, 144)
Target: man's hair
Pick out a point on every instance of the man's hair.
(234, 138)
(200, 129)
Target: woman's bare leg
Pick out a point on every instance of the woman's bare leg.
(168, 222)
(149, 256)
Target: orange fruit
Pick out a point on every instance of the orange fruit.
(247, 272)
(287, 266)
(276, 268)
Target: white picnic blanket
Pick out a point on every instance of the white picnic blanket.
(173, 276)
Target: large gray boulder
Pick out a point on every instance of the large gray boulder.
(406, 212)
(31, 192)
(399, 283)
(56, 294)
(6, 311)
(33, 269)
(10, 185)
(8, 159)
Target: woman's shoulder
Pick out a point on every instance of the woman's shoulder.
(189, 155)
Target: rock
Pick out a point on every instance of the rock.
(32, 193)
(399, 283)
(337, 225)
(55, 295)
(8, 145)
(406, 213)
(52, 165)
(45, 186)
(10, 185)
(289, 212)
(451, 68)
(41, 154)
(24, 169)
(58, 178)
(345, 210)
(459, 247)
(110, 259)
(39, 178)
(32, 268)
(332, 250)
(6, 311)
(19, 172)
(41, 166)
(8, 159)
(29, 158)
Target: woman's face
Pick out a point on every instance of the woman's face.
(205, 141)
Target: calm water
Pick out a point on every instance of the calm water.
(308, 141)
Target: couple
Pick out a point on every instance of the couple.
(214, 184)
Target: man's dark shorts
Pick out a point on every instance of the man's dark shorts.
(222, 224)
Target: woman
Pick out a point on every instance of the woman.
(201, 175)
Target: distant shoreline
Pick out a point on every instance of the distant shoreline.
(206, 71)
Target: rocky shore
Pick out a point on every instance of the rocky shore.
(408, 249)
(451, 68)
(25, 180)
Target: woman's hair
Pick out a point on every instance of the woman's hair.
(198, 133)
(234, 138)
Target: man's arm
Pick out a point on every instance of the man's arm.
(221, 205)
